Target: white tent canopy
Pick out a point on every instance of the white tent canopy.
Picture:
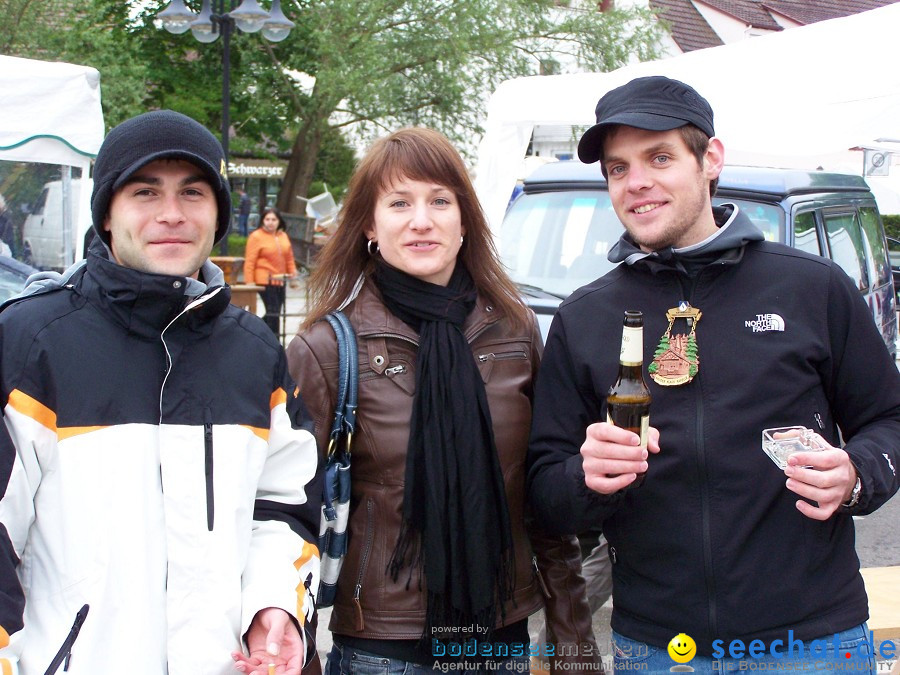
(779, 100)
(49, 112)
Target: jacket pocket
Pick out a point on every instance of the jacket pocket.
(399, 373)
(487, 360)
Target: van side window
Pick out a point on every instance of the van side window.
(767, 217)
(871, 224)
(848, 246)
(805, 235)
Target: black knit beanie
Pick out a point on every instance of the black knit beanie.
(162, 134)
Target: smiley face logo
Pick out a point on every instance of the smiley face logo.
(682, 648)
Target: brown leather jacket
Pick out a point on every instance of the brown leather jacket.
(369, 604)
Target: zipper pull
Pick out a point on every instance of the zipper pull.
(208, 468)
(395, 370)
(360, 622)
(485, 357)
(821, 423)
(540, 577)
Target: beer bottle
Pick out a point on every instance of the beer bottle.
(628, 400)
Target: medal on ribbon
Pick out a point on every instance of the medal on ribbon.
(675, 361)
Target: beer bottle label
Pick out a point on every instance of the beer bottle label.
(632, 351)
(645, 429)
(642, 432)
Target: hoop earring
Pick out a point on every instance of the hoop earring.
(461, 237)
(369, 247)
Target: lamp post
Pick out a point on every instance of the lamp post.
(220, 17)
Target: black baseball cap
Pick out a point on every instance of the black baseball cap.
(655, 103)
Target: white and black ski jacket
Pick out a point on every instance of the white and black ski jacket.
(163, 472)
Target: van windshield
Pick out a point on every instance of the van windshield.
(559, 241)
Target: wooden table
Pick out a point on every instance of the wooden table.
(232, 266)
(245, 296)
(883, 589)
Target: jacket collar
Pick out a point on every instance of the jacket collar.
(371, 317)
(145, 304)
(726, 245)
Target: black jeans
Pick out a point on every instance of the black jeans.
(273, 300)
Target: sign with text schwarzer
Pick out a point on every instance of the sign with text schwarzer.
(256, 168)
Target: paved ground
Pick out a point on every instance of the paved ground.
(877, 543)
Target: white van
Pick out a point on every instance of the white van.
(45, 242)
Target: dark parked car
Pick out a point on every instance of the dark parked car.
(894, 255)
(556, 235)
(12, 276)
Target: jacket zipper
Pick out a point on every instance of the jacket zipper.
(207, 414)
(208, 465)
(704, 489)
(390, 335)
(819, 421)
(540, 578)
(371, 374)
(493, 356)
(370, 535)
(470, 339)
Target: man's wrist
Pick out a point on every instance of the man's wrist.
(855, 493)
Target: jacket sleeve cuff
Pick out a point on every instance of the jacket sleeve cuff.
(596, 506)
(279, 574)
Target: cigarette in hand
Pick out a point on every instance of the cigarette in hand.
(271, 669)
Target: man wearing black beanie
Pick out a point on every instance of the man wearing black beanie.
(162, 463)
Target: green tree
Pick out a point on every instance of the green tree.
(380, 64)
(376, 64)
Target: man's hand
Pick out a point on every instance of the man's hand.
(612, 456)
(272, 639)
(828, 480)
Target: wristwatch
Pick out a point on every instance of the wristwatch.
(854, 496)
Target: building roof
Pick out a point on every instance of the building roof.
(806, 12)
(688, 27)
(691, 31)
(749, 11)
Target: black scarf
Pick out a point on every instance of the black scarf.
(455, 516)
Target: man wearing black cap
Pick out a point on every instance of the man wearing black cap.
(162, 460)
(717, 543)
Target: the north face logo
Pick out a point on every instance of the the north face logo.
(765, 322)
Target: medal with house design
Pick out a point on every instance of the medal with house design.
(675, 361)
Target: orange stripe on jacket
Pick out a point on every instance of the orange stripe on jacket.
(309, 552)
(279, 397)
(33, 408)
(262, 433)
(67, 432)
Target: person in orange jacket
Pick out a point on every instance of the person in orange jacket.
(268, 262)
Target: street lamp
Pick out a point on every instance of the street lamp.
(220, 17)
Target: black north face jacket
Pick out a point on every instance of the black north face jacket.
(712, 544)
